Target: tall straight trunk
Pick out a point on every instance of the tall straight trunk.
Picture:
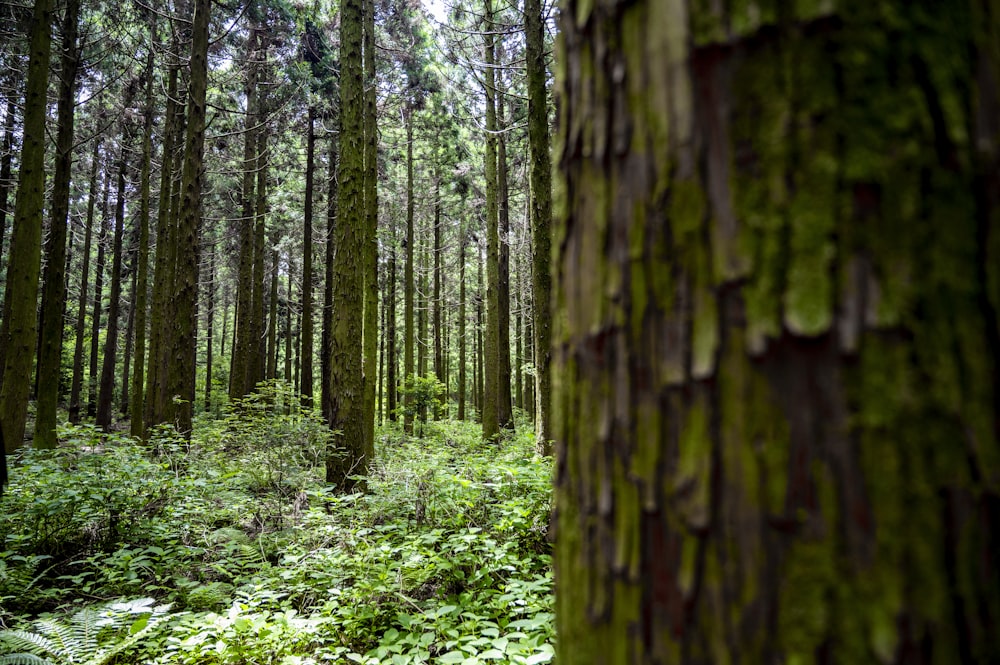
(480, 324)
(422, 304)
(408, 322)
(519, 347)
(463, 238)
(51, 324)
(181, 377)
(491, 351)
(370, 239)
(306, 387)
(239, 372)
(154, 407)
(140, 304)
(107, 387)
(95, 319)
(19, 330)
(436, 298)
(258, 339)
(331, 222)
(392, 382)
(541, 216)
(380, 403)
(288, 322)
(6, 167)
(123, 404)
(505, 410)
(530, 402)
(76, 386)
(346, 408)
(777, 411)
(272, 315)
(209, 320)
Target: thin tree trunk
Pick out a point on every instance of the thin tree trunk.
(6, 168)
(209, 320)
(76, 386)
(258, 339)
(436, 298)
(408, 321)
(95, 319)
(392, 381)
(53, 309)
(491, 352)
(505, 410)
(129, 336)
(331, 223)
(306, 387)
(272, 315)
(541, 215)
(107, 386)
(463, 238)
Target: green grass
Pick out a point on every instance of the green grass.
(444, 559)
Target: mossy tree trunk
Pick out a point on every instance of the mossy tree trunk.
(777, 425)
(18, 336)
(541, 217)
(181, 374)
(331, 225)
(370, 239)
(53, 309)
(346, 380)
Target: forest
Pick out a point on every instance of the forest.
(483, 331)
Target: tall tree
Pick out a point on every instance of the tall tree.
(107, 385)
(408, 322)
(181, 376)
(306, 376)
(18, 335)
(370, 239)
(346, 409)
(541, 216)
(53, 308)
(777, 339)
(491, 351)
(505, 409)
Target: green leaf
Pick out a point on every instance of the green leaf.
(452, 657)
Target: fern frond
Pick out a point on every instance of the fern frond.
(23, 659)
(33, 643)
(70, 640)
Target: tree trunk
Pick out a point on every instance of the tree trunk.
(331, 224)
(181, 376)
(436, 323)
(463, 238)
(505, 410)
(107, 386)
(541, 217)
(491, 352)
(370, 239)
(95, 319)
(239, 373)
(408, 322)
(6, 168)
(777, 338)
(391, 380)
(209, 320)
(76, 387)
(306, 386)
(272, 314)
(140, 306)
(19, 331)
(258, 342)
(346, 408)
(52, 324)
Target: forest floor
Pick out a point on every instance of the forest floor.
(244, 555)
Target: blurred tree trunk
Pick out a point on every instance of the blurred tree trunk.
(51, 321)
(408, 322)
(505, 409)
(95, 319)
(777, 340)
(19, 331)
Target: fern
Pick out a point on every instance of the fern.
(93, 636)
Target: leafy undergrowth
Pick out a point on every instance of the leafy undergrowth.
(444, 559)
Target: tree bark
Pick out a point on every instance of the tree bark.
(491, 350)
(408, 322)
(181, 376)
(505, 409)
(346, 408)
(51, 322)
(776, 349)
(370, 239)
(20, 326)
(306, 375)
(95, 319)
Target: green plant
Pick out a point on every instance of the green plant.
(424, 393)
(92, 636)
